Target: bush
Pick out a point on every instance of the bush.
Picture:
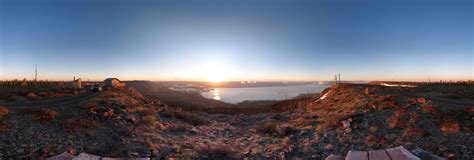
(189, 118)
(89, 106)
(400, 113)
(3, 111)
(450, 127)
(370, 140)
(216, 151)
(394, 122)
(149, 119)
(3, 127)
(174, 127)
(46, 115)
(428, 109)
(414, 131)
(268, 128)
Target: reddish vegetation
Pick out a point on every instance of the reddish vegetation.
(46, 115)
(394, 122)
(450, 127)
(400, 113)
(421, 100)
(216, 151)
(3, 111)
(428, 109)
(4, 127)
(89, 106)
(414, 131)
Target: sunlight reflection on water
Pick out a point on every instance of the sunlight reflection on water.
(216, 94)
(236, 95)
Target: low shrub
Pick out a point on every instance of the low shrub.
(46, 115)
(188, 117)
(267, 128)
(428, 109)
(216, 151)
(450, 127)
(3, 111)
(149, 119)
(394, 122)
(4, 127)
(89, 106)
(400, 113)
(370, 139)
(176, 127)
(414, 131)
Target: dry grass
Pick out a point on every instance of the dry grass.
(188, 117)
(216, 151)
(149, 119)
(176, 127)
(267, 128)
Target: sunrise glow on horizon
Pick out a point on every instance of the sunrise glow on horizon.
(237, 40)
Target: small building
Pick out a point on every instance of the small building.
(77, 83)
(113, 82)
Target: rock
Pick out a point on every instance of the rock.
(366, 91)
(167, 150)
(346, 124)
(21, 150)
(426, 155)
(194, 129)
(334, 157)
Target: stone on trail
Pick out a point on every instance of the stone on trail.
(87, 156)
(62, 156)
(334, 157)
(426, 155)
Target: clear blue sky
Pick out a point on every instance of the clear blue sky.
(237, 39)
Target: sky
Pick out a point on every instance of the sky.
(216, 40)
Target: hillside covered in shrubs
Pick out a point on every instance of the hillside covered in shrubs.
(134, 122)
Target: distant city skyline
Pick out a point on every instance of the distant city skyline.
(260, 40)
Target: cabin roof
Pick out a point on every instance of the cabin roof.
(111, 79)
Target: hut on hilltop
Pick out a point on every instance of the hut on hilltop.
(113, 82)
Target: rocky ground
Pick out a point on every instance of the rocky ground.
(124, 123)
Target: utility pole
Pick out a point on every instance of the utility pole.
(36, 72)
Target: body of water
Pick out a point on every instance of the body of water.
(236, 95)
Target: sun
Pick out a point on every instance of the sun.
(215, 78)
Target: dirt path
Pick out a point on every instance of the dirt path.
(51, 103)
